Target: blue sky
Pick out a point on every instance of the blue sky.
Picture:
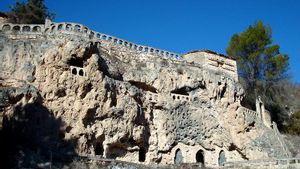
(184, 25)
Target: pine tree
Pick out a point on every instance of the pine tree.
(261, 66)
(32, 12)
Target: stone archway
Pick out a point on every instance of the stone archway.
(178, 157)
(200, 157)
(222, 158)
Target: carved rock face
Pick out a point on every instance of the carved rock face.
(117, 103)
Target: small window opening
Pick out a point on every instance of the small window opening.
(74, 71)
(80, 72)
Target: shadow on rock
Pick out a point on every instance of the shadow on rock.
(31, 137)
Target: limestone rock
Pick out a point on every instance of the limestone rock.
(118, 102)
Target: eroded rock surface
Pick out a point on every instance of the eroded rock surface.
(106, 99)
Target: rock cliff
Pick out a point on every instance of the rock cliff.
(65, 91)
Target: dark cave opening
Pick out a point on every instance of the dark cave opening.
(182, 91)
(75, 61)
(142, 155)
(99, 149)
(143, 86)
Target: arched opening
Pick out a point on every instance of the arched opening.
(60, 27)
(200, 157)
(80, 72)
(74, 71)
(16, 28)
(36, 29)
(178, 157)
(6, 28)
(92, 34)
(53, 28)
(99, 149)
(142, 155)
(85, 30)
(77, 28)
(68, 27)
(120, 42)
(26, 29)
(222, 158)
(104, 37)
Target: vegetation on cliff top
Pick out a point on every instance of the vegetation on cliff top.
(31, 12)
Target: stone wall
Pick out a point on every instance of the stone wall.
(213, 61)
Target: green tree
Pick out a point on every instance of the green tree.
(261, 66)
(293, 124)
(31, 12)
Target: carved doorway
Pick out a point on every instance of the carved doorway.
(178, 157)
(200, 157)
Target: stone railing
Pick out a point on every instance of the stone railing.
(78, 28)
(280, 139)
(245, 111)
(23, 28)
(84, 31)
(178, 97)
(152, 97)
(267, 163)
